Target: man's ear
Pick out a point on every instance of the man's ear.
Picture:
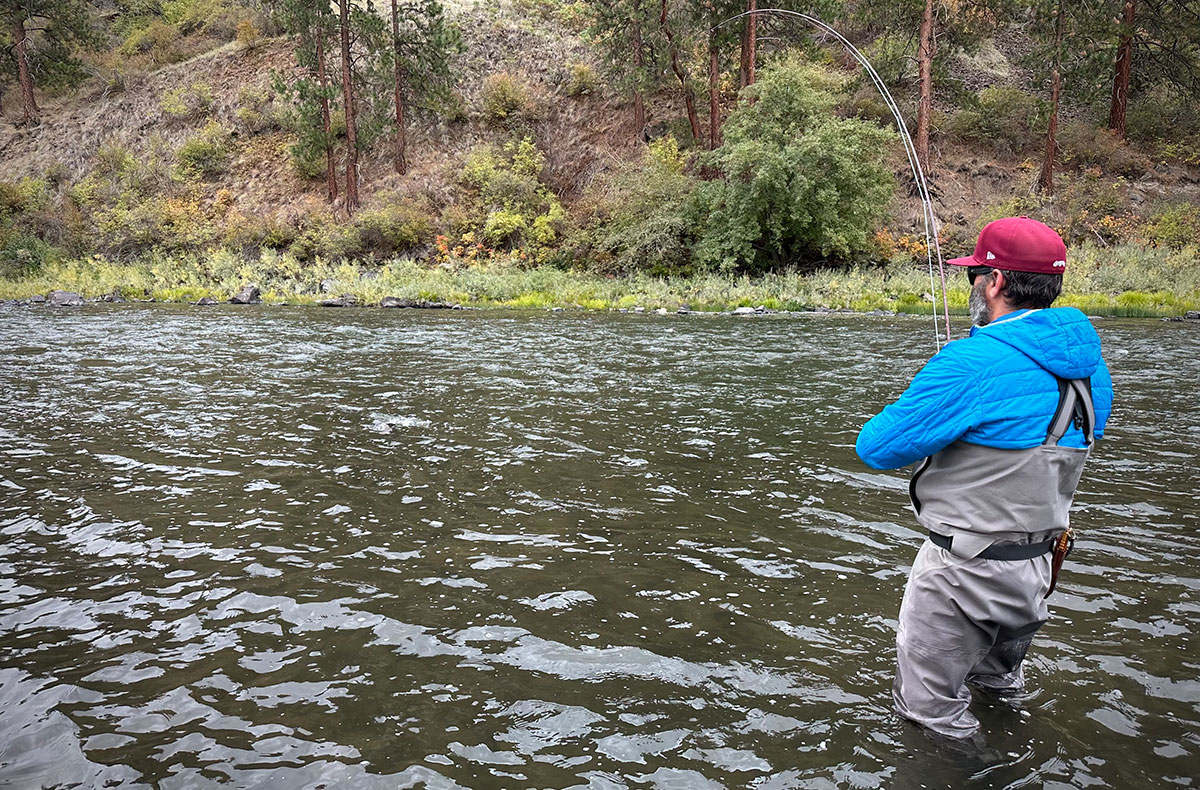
(996, 286)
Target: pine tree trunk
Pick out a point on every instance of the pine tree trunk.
(693, 119)
(925, 94)
(31, 112)
(331, 181)
(1046, 180)
(401, 141)
(714, 88)
(348, 103)
(749, 37)
(639, 100)
(1120, 93)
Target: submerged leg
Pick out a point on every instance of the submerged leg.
(937, 646)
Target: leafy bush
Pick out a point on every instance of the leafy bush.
(1087, 146)
(248, 33)
(1004, 118)
(799, 186)
(393, 229)
(582, 81)
(1175, 226)
(503, 226)
(213, 17)
(158, 40)
(187, 102)
(504, 97)
(1094, 207)
(644, 215)
(515, 206)
(23, 197)
(205, 154)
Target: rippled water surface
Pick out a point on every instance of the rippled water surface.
(300, 548)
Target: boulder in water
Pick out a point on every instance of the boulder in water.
(248, 295)
(64, 299)
(396, 301)
(744, 311)
(1192, 315)
(206, 300)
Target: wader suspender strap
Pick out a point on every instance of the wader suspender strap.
(1074, 405)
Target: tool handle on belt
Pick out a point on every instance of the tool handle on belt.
(1062, 547)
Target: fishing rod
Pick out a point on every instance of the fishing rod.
(932, 244)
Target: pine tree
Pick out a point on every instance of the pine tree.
(313, 26)
(625, 33)
(422, 45)
(45, 37)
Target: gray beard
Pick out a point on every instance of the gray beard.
(980, 315)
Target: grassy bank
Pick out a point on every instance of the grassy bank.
(1130, 281)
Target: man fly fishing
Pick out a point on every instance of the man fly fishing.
(1003, 420)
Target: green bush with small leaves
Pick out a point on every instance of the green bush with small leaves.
(187, 101)
(1175, 225)
(582, 80)
(799, 187)
(158, 40)
(206, 154)
(1003, 118)
(393, 229)
(504, 97)
(1087, 146)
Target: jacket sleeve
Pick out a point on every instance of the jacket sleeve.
(938, 407)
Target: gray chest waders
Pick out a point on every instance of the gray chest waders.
(999, 504)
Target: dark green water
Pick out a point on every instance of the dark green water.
(300, 548)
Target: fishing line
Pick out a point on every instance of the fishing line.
(932, 244)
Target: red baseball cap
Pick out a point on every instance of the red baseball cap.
(1018, 244)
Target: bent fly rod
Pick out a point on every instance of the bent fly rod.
(932, 244)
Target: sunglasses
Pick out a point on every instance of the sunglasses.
(975, 271)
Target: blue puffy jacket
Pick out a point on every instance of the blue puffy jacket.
(994, 388)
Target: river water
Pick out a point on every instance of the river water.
(299, 548)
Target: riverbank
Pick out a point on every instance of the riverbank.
(1131, 282)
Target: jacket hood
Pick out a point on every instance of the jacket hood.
(1061, 339)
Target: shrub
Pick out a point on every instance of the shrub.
(1086, 146)
(1175, 226)
(248, 34)
(643, 214)
(503, 226)
(158, 40)
(393, 229)
(582, 81)
(307, 161)
(23, 254)
(799, 186)
(205, 154)
(504, 97)
(1095, 207)
(23, 197)
(1006, 119)
(187, 102)
(215, 17)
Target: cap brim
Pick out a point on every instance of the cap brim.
(967, 261)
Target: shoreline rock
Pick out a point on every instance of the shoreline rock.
(64, 299)
(250, 294)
